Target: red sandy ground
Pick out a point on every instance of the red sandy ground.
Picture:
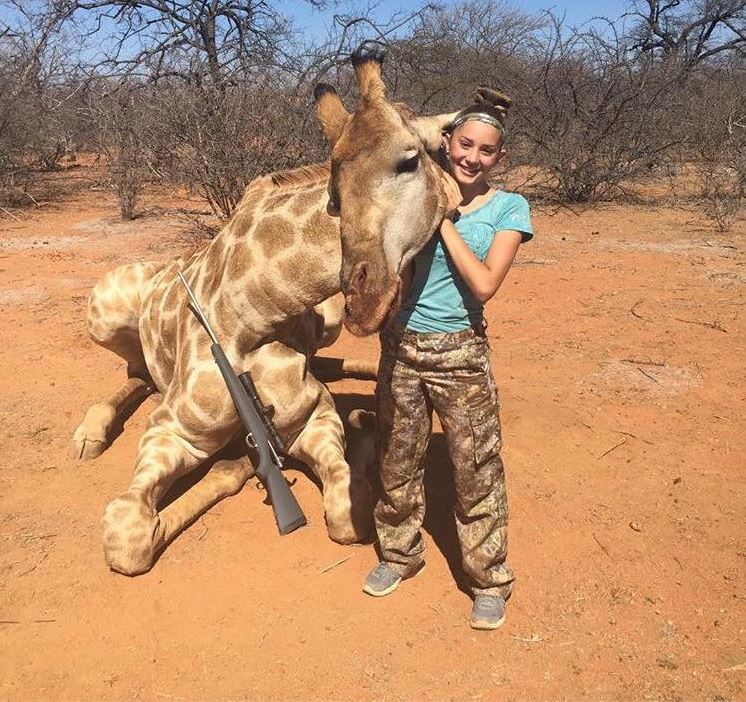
(618, 346)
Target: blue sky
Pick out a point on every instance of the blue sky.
(575, 12)
(315, 21)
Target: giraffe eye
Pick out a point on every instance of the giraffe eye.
(408, 165)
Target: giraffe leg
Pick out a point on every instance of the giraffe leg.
(347, 495)
(225, 478)
(93, 435)
(112, 320)
(133, 532)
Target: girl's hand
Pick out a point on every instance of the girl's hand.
(453, 195)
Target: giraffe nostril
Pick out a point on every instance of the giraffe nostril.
(359, 278)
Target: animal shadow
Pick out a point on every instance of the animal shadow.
(440, 501)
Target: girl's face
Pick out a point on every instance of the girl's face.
(473, 149)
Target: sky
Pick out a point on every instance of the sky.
(314, 23)
(309, 19)
(576, 12)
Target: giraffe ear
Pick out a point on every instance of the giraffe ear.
(367, 60)
(430, 129)
(330, 111)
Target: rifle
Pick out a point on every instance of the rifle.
(261, 433)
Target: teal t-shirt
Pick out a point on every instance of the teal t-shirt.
(438, 299)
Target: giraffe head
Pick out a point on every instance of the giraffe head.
(384, 186)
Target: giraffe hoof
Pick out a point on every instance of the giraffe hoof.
(91, 437)
(86, 448)
(344, 533)
(130, 533)
(351, 523)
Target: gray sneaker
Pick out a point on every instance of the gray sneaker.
(488, 612)
(381, 581)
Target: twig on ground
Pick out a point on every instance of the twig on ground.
(534, 638)
(35, 566)
(634, 308)
(641, 362)
(633, 436)
(608, 451)
(647, 375)
(32, 536)
(537, 262)
(710, 325)
(715, 245)
(9, 621)
(10, 214)
(334, 565)
(603, 548)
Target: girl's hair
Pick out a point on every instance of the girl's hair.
(490, 106)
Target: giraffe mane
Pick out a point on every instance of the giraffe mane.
(301, 175)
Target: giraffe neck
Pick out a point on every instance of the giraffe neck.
(278, 255)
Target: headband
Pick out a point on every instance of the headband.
(480, 117)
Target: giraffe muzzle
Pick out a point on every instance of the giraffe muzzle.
(367, 312)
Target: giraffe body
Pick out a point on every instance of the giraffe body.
(265, 284)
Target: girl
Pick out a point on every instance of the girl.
(435, 355)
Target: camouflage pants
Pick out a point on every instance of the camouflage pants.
(451, 374)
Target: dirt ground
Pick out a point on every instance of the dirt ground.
(618, 346)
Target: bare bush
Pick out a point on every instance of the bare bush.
(686, 33)
(588, 114)
(119, 123)
(716, 124)
(594, 115)
(211, 98)
(215, 141)
(40, 96)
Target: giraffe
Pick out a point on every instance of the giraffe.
(385, 187)
(265, 283)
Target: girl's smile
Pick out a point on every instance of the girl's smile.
(474, 148)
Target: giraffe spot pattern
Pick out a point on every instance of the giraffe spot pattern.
(275, 234)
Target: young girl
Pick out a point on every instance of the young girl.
(435, 355)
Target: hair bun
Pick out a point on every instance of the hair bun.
(494, 98)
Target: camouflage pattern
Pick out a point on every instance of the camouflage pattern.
(451, 374)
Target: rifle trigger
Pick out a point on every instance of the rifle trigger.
(250, 441)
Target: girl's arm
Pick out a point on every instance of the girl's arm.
(483, 279)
